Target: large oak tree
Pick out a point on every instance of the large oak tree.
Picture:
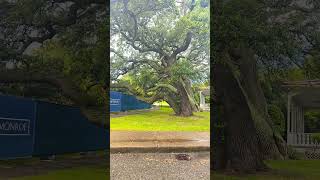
(249, 37)
(57, 51)
(159, 48)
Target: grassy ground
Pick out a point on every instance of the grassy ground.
(161, 120)
(67, 166)
(92, 173)
(282, 170)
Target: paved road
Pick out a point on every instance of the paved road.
(159, 166)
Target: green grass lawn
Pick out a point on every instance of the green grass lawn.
(88, 173)
(161, 120)
(281, 170)
(65, 167)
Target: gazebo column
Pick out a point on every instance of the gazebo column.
(300, 135)
(297, 118)
(202, 99)
(295, 126)
(301, 119)
(303, 136)
(295, 122)
(289, 120)
(294, 118)
(302, 110)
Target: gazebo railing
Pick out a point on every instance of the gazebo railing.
(301, 139)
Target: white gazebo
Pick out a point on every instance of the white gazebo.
(202, 94)
(302, 96)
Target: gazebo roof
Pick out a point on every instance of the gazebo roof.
(304, 83)
(205, 91)
(306, 93)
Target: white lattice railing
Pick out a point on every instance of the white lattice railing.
(301, 139)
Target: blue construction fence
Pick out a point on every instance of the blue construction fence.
(35, 128)
(123, 102)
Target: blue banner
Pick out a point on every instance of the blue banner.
(33, 128)
(114, 102)
(123, 102)
(64, 129)
(14, 127)
(17, 118)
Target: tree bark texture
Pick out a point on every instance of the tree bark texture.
(249, 136)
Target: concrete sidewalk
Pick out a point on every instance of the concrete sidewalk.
(158, 141)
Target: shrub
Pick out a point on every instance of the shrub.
(278, 119)
(316, 137)
(294, 154)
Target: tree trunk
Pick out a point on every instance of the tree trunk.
(240, 146)
(248, 133)
(185, 104)
(218, 140)
(172, 100)
(270, 141)
(188, 88)
(180, 102)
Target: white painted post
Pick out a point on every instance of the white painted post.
(289, 119)
(202, 100)
(299, 119)
(302, 120)
(295, 123)
(294, 118)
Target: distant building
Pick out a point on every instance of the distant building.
(202, 94)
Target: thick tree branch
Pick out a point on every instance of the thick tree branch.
(123, 86)
(66, 85)
(167, 86)
(134, 62)
(183, 47)
(129, 88)
(72, 18)
(151, 99)
(147, 48)
(134, 18)
(135, 37)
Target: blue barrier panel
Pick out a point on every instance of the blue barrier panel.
(115, 101)
(124, 102)
(131, 103)
(63, 129)
(17, 117)
(33, 128)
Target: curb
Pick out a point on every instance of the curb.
(158, 149)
